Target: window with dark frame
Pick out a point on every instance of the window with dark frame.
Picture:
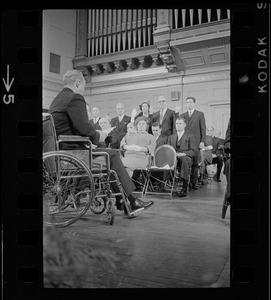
(54, 63)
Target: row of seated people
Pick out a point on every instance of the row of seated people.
(165, 116)
(138, 145)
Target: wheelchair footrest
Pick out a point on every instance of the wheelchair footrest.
(135, 213)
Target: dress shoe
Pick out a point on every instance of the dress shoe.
(146, 205)
(183, 193)
(195, 186)
(140, 204)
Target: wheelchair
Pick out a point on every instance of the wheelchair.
(76, 179)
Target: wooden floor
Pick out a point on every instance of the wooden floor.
(178, 243)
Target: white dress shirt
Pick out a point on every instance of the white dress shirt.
(180, 134)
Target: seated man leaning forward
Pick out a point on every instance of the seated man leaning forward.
(138, 146)
(70, 117)
(112, 135)
(184, 145)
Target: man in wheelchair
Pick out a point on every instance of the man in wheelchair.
(70, 118)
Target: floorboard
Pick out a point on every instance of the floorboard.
(177, 243)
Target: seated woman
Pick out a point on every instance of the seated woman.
(137, 146)
(144, 111)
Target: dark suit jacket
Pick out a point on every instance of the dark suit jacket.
(96, 125)
(187, 144)
(227, 142)
(162, 139)
(168, 123)
(177, 115)
(215, 142)
(70, 115)
(196, 126)
(120, 130)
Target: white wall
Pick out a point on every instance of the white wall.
(59, 37)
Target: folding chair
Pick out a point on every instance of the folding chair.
(140, 178)
(162, 172)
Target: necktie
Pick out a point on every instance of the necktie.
(190, 113)
(161, 116)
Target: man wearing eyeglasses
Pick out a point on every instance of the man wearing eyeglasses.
(164, 116)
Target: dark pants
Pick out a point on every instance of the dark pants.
(195, 166)
(219, 161)
(183, 164)
(228, 177)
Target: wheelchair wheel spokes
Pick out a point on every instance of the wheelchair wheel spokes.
(98, 205)
(68, 188)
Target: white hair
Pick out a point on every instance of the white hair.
(71, 76)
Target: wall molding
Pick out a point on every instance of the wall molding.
(52, 84)
(175, 80)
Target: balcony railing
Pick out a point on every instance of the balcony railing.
(181, 18)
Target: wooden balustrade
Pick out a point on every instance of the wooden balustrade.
(181, 18)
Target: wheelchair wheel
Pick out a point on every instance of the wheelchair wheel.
(111, 210)
(68, 188)
(98, 205)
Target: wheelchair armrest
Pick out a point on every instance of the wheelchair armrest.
(104, 154)
(73, 138)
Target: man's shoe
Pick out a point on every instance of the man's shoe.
(146, 205)
(195, 186)
(140, 204)
(183, 193)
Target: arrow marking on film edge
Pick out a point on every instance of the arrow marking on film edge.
(7, 84)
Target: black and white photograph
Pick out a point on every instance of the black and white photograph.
(136, 147)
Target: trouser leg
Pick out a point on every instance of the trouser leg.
(228, 177)
(219, 161)
(183, 164)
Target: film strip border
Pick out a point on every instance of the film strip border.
(21, 134)
(249, 150)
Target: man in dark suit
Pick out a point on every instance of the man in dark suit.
(178, 112)
(215, 144)
(95, 113)
(164, 116)
(185, 146)
(70, 117)
(161, 139)
(120, 123)
(195, 126)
